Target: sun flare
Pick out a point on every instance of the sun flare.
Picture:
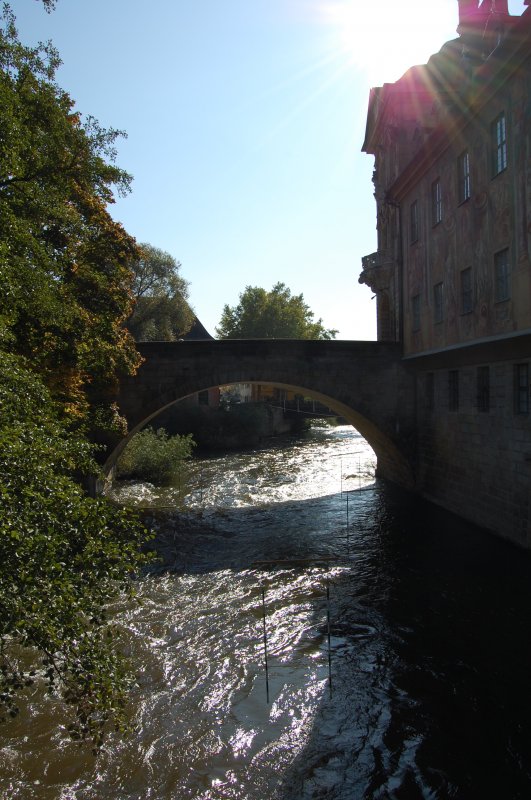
(382, 39)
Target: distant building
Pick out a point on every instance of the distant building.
(452, 273)
(237, 393)
(211, 396)
(197, 332)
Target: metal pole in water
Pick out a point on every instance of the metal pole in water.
(347, 512)
(328, 634)
(265, 642)
(348, 531)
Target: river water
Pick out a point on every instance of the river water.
(398, 647)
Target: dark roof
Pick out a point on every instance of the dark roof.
(197, 332)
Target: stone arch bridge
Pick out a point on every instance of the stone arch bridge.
(365, 382)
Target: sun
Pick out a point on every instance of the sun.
(383, 38)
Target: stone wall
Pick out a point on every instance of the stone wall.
(472, 462)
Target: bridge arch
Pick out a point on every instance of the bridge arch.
(391, 462)
(364, 382)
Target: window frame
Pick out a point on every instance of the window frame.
(436, 202)
(499, 144)
(502, 276)
(438, 303)
(521, 388)
(483, 389)
(464, 182)
(467, 291)
(453, 390)
(414, 224)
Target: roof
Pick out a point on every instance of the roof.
(197, 332)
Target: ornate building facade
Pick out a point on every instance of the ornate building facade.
(452, 274)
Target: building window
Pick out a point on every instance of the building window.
(436, 202)
(501, 275)
(463, 177)
(438, 306)
(467, 300)
(415, 312)
(521, 388)
(453, 390)
(483, 389)
(430, 391)
(499, 145)
(414, 222)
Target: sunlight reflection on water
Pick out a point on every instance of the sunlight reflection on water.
(427, 657)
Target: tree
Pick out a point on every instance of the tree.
(66, 291)
(271, 315)
(161, 311)
(64, 262)
(63, 556)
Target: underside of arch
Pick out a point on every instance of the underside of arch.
(392, 464)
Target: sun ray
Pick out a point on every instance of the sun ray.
(381, 40)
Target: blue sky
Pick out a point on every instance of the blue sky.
(245, 120)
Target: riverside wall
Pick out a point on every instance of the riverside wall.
(471, 461)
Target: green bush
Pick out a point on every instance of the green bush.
(155, 456)
(63, 557)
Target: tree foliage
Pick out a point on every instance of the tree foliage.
(64, 262)
(49, 5)
(271, 315)
(62, 557)
(155, 456)
(66, 291)
(161, 311)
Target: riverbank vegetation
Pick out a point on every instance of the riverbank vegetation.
(156, 457)
(66, 293)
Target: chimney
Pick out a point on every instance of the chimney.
(501, 6)
(467, 9)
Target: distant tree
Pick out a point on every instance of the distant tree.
(161, 311)
(271, 315)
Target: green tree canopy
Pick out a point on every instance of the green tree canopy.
(66, 291)
(161, 311)
(64, 262)
(271, 315)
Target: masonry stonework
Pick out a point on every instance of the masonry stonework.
(477, 464)
(365, 382)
